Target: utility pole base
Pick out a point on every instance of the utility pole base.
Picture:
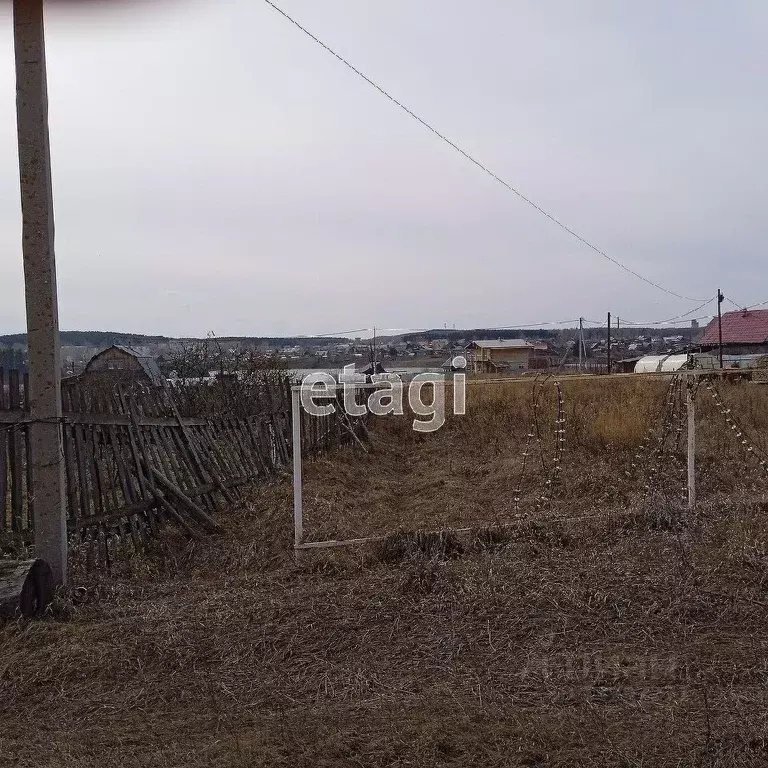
(26, 588)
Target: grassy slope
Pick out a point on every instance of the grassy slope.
(636, 637)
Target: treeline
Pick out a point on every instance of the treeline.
(91, 339)
(479, 333)
(108, 338)
(591, 333)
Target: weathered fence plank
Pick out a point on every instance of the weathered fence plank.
(16, 449)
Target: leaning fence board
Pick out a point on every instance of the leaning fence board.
(141, 456)
(4, 522)
(29, 516)
(187, 478)
(70, 470)
(15, 456)
(236, 437)
(165, 462)
(211, 473)
(130, 493)
(82, 474)
(223, 439)
(198, 513)
(255, 443)
(172, 455)
(93, 469)
(215, 455)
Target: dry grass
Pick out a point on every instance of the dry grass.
(633, 638)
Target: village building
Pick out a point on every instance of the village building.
(119, 363)
(745, 332)
(502, 355)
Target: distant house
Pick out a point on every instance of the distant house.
(744, 332)
(124, 364)
(498, 355)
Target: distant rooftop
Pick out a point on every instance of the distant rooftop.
(741, 327)
(501, 344)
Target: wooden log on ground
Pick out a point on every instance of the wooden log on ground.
(26, 588)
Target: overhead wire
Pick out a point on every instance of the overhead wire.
(475, 161)
(670, 319)
(380, 329)
(735, 304)
(522, 326)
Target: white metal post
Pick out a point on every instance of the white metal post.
(44, 396)
(691, 408)
(298, 523)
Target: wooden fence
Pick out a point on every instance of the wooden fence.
(134, 462)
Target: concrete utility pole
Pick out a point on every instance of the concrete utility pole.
(609, 342)
(44, 396)
(720, 299)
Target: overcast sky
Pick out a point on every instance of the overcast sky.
(216, 170)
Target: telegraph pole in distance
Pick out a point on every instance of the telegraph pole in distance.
(609, 342)
(720, 299)
(44, 396)
(580, 341)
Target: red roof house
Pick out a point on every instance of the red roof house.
(740, 328)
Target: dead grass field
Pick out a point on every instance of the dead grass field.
(635, 636)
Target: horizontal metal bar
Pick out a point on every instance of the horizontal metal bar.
(338, 543)
(471, 529)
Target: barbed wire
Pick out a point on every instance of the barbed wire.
(534, 436)
(654, 455)
(666, 431)
(645, 445)
(530, 436)
(741, 434)
(557, 462)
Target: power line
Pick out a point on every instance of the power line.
(379, 329)
(476, 162)
(624, 324)
(735, 304)
(672, 319)
(339, 333)
(745, 306)
(529, 325)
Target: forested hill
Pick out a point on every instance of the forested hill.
(107, 338)
(90, 338)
